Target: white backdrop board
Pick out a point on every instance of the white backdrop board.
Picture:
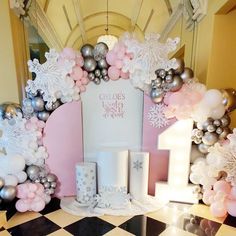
(112, 117)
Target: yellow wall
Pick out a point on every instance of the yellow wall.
(8, 79)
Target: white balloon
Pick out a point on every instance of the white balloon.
(213, 98)
(11, 180)
(218, 112)
(195, 153)
(194, 178)
(21, 176)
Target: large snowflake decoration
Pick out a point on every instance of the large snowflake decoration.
(17, 140)
(137, 165)
(156, 116)
(147, 58)
(52, 79)
(223, 158)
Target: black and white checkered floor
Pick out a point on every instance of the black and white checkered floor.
(171, 220)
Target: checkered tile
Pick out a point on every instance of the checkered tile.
(173, 219)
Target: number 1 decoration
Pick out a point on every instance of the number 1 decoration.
(177, 139)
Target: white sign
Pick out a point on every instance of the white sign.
(112, 117)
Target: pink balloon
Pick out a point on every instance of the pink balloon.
(78, 83)
(111, 58)
(120, 55)
(113, 73)
(82, 88)
(119, 64)
(223, 186)
(79, 61)
(38, 206)
(85, 74)
(218, 209)
(68, 53)
(41, 124)
(233, 192)
(85, 81)
(21, 206)
(207, 196)
(77, 73)
(124, 75)
(231, 207)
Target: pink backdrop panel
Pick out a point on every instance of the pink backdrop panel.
(158, 162)
(64, 143)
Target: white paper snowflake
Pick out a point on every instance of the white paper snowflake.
(137, 165)
(156, 116)
(52, 79)
(147, 58)
(17, 140)
(223, 158)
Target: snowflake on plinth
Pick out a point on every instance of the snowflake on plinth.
(156, 116)
(52, 78)
(138, 165)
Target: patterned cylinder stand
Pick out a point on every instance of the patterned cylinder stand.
(113, 179)
(139, 169)
(86, 183)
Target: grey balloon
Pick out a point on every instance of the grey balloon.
(203, 148)
(219, 130)
(54, 106)
(51, 178)
(176, 84)
(91, 76)
(217, 123)
(89, 64)
(43, 180)
(46, 185)
(2, 182)
(207, 123)
(53, 184)
(199, 133)
(106, 78)
(87, 50)
(8, 193)
(180, 68)
(33, 172)
(156, 95)
(169, 78)
(162, 73)
(211, 128)
(97, 72)
(100, 51)
(187, 74)
(102, 63)
(97, 81)
(210, 138)
(104, 72)
(37, 104)
(43, 115)
(225, 121)
(171, 72)
(225, 132)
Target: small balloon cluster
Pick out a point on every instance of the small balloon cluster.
(169, 81)
(40, 175)
(206, 134)
(9, 109)
(36, 106)
(7, 192)
(222, 199)
(95, 62)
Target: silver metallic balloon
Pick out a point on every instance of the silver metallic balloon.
(87, 50)
(225, 121)
(46, 185)
(157, 82)
(211, 128)
(219, 130)
(169, 78)
(37, 104)
(33, 172)
(180, 68)
(104, 72)
(199, 126)
(91, 76)
(197, 140)
(54, 106)
(51, 177)
(203, 148)
(97, 80)
(199, 133)
(89, 64)
(206, 123)
(100, 51)
(102, 63)
(225, 132)
(97, 72)
(171, 72)
(210, 138)
(2, 182)
(43, 115)
(217, 123)
(43, 180)
(162, 73)
(53, 184)
(187, 74)
(106, 78)
(156, 95)
(176, 84)
(8, 193)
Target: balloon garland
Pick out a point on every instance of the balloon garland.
(65, 75)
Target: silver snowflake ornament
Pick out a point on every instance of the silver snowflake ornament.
(52, 78)
(156, 116)
(138, 165)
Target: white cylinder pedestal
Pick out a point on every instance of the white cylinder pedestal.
(139, 168)
(86, 183)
